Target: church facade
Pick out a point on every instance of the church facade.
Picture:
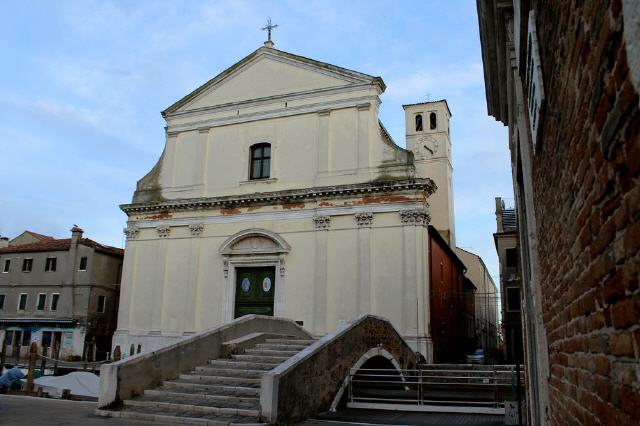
(279, 192)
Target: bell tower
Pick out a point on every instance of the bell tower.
(427, 136)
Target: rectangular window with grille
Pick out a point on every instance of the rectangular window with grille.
(260, 161)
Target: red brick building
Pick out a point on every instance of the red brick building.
(452, 303)
(565, 77)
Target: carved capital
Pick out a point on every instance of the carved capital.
(163, 231)
(131, 232)
(196, 229)
(364, 219)
(322, 222)
(282, 267)
(415, 217)
(225, 266)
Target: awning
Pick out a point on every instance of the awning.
(36, 321)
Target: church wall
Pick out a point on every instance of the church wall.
(307, 150)
(210, 290)
(146, 295)
(330, 276)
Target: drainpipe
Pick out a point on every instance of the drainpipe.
(76, 237)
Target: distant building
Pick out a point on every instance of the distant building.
(61, 292)
(506, 241)
(486, 300)
(452, 303)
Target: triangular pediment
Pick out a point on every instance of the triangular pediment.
(267, 73)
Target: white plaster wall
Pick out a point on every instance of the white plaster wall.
(180, 287)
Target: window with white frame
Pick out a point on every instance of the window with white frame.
(7, 266)
(42, 301)
(102, 302)
(54, 302)
(22, 301)
(83, 263)
(50, 264)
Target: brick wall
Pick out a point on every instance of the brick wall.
(587, 197)
(452, 312)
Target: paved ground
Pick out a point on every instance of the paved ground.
(354, 417)
(27, 411)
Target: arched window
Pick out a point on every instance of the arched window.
(260, 161)
(433, 121)
(419, 123)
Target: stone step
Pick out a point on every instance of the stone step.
(239, 401)
(271, 352)
(291, 341)
(237, 364)
(161, 415)
(221, 380)
(228, 372)
(184, 385)
(275, 360)
(280, 346)
(185, 406)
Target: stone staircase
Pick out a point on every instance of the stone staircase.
(222, 392)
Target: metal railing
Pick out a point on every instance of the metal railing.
(485, 387)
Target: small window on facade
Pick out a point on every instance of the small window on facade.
(2, 296)
(8, 338)
(26, 337)
(42, 301)
(260, 161)
(419, 123)
(83, 263)
(511, 258)
(54, 302)
(22, 302)
(27, 265)
(513, 299)
(46, 339)
(102, 301)
(7, 266)
(433, 121)
(50, 265)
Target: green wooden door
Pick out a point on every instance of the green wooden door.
(255, 288)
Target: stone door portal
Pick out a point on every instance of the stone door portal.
(254, 291)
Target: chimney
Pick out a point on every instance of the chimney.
(499, 210)
(4, 242)
(76, 234)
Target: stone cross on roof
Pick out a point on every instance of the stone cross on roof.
(268, 28)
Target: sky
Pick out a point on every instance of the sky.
(82, 84)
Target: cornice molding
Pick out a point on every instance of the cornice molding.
(285, 196)
(276, 112)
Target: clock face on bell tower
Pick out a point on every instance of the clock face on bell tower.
(429, 145)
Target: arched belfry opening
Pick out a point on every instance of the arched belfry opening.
(254, 269)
